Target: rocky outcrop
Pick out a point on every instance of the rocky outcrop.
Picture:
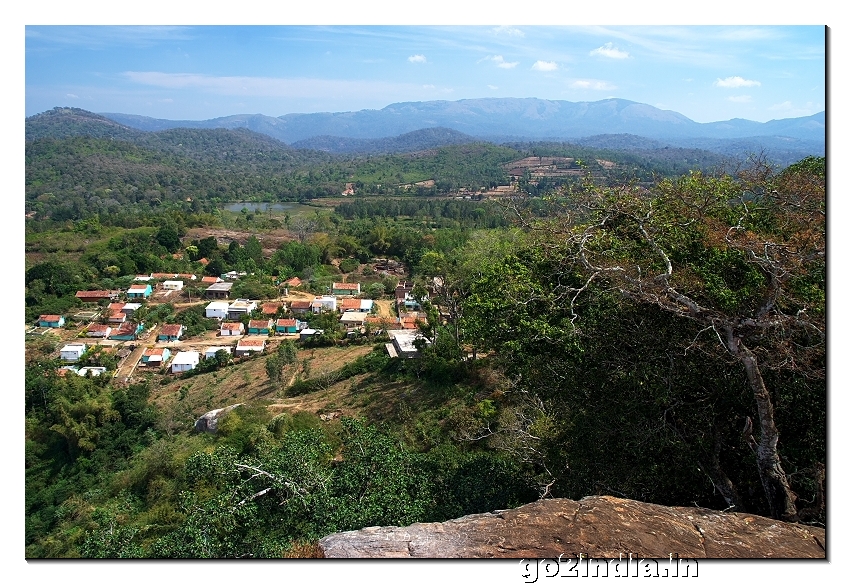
(209, 421)
(597, 526)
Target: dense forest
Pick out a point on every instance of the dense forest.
(656, 334)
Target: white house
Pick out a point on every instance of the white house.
(184, 361)
(240, 307)
(172, 284)
(211, 350)
(250, 345)
(216, 310)
(402, 344)
(72, 352)
(324, 303)
(94, 370)
(353, 319)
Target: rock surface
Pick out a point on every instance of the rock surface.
(209, 421)
(597, 526)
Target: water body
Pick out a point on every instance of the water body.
(237, 207)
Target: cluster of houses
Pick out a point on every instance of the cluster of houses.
(276, 318)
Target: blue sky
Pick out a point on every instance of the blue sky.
(707, 73)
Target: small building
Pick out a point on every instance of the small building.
(345, 289)
(72, 352)
(355, 305)
(216, 310)
(170, 332)
(211, 351)
(323, 303)
(184, 361)
(142, 278)
(130, 308)
(155, 356)
(308, 333)
(260, 327)
(210, 279)
(353, 319)
(99, 330)
(248, 346)
(139, 291)
(114, 316)
(293, 282)
(403, 343)
(271, 308)
(97, 295)
(126, 331)
(232, 329)
(286, 326)
(163, 275)
(189, 276)
(218, 291)
(172, 284)
(239, 308)
(300, 306)
(51, 321)
(95, 371)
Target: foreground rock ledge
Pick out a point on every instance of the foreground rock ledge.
(598, 526)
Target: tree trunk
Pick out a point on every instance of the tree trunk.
(780, 497)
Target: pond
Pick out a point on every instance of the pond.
(237, 207)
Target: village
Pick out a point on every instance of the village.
(244, 327)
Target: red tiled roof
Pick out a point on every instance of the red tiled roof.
(154, 351)
(49, 318)
(259, 323)
(125, 329)
(301, 305)
(116, 306)
(171, 330)
(203, 261)
(340, 285)
(98, 294)
(209, 279)
(294, 282)
(231, 326)
(162, 275)
(251, 342)
(138, 287)
(98, 328)
(186, 276)
(270, 308)
(350, 304)
(287, 322)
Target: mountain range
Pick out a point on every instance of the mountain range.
(609, 123)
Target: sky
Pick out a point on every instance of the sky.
(707, 73)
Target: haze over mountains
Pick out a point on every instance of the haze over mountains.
(609, 123)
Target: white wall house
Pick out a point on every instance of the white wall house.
(216, 310)
(210, 351)
(72, 352)
(174, 284)
(185, 361)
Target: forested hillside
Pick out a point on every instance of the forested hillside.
(627, 326)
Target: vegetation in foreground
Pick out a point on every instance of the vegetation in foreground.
(665, 344)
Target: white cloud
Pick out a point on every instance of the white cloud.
(500, 62)
(740, 98)
(610, 51)
(72, 96)
(428, 87)
(735, 82)
(545, 66)
(417, 59)
(493, 87)
(509, 31)
(593, 84)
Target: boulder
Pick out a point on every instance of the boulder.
(209, 421)
(595, 526)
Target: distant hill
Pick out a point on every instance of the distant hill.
(67, 122)
(415, 141)
(500, 119)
